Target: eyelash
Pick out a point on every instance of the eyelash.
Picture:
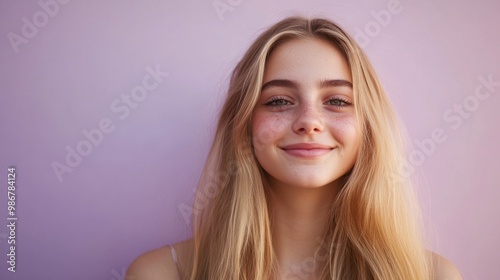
(344, 102)
(272, 103)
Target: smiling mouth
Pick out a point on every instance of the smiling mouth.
(308, 153)
(307, 150)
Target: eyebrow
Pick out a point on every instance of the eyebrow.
(295, 85)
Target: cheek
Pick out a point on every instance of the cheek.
(266, 128)
(345, 131)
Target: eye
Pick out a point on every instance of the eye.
(339, 102)
(277, 102)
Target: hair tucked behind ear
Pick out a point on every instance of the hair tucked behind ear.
(374, 230)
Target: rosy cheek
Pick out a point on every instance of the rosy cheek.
(344, 129)
(266, 129)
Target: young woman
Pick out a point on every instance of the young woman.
(303, 180)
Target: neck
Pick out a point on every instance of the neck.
(298, 219)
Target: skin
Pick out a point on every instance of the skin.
(305, 112)
(302, 188)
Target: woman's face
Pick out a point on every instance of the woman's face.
(304, 124)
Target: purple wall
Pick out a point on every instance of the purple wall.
(107, 110)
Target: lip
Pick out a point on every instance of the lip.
(307, 149)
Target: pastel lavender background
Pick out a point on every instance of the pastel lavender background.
(123, 198)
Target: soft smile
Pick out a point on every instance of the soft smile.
(307, 150)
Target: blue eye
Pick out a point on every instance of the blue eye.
(277, 102)
(338, 102)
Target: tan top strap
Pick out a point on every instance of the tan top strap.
(174, 256)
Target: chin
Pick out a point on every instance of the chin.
(308, 184)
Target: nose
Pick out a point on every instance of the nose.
(308, 120)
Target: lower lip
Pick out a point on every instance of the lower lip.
(306, 153)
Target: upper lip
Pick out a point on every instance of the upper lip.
(306, 146)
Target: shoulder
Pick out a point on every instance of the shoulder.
(443, 269)
(156, 264)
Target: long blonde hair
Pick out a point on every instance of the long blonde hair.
(374, 230)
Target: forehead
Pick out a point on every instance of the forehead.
(306, 59)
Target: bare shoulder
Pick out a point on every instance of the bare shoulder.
(444, 269)
(156, 264)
